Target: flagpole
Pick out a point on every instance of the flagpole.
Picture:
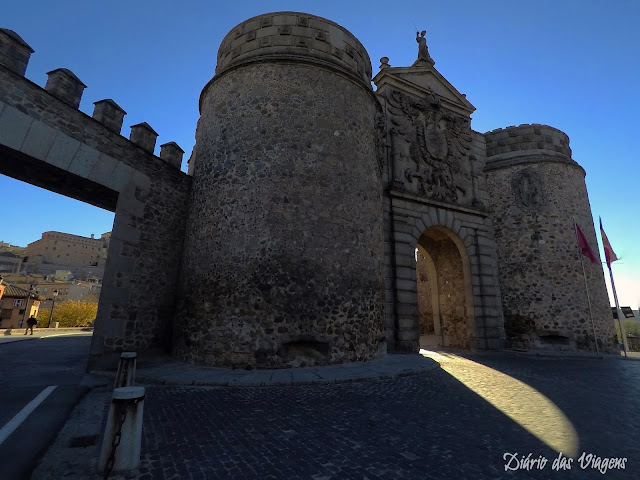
(586, 287)
(610, 257)
(618, 312)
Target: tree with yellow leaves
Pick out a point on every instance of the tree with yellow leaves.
(69, 313)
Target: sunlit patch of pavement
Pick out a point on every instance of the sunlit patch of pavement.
(519, 401)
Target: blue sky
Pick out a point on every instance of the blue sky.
(569, 64)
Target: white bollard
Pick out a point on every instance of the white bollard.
(126, 370)
(123, 436)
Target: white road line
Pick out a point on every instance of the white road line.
(20, 417)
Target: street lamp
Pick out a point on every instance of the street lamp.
(55, 294)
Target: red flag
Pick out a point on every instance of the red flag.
(584, 246)
(609, 254)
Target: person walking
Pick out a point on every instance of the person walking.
(31, 322)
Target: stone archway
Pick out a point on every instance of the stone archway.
(445, 306)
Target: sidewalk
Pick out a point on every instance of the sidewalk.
(9, 335)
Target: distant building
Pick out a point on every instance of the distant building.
(16, 305)
(10, 262)
(41, 286)
(84, 291)
(84, 257)
(63, 275)
(45, 286)
(67, 249)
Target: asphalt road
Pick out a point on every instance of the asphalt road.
(40, 383)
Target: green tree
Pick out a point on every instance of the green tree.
(70, 313)
(631, 327)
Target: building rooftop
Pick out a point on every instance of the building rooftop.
(13, 291)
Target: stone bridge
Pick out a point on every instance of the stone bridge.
(46, 141)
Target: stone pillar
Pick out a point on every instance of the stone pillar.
(284, 246)
(536, 191)
(63, 84)
(109, 113)
(127, 404)
(144, 136)
(172, 154)
(126, 374)
(14, 51)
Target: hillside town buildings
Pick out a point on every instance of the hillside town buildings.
(55, 253)
(16, 305)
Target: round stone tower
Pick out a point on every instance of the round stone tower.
(284, 245)
(536, 191)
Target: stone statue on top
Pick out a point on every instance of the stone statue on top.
(423, 51)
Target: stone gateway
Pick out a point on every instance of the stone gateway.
(321, 221)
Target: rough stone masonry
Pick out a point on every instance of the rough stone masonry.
(322, 221)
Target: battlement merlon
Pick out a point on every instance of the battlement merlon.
(109, 113)
(172, 154)
(65, 85)
(14, 51)
(55, 138)
(144, 136)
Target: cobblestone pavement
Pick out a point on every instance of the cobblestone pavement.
(452, 423)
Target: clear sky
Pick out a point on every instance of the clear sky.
(571, 64)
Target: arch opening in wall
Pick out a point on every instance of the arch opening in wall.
(445, 306)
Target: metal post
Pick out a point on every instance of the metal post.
(619, 312)
(26, 307)
(122, 440)
(126, 374)
(55, 294)
(586, 287)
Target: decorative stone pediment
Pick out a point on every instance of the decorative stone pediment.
(420, 79)
(428, 127)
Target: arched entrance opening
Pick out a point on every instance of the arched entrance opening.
(51, 257)
(445, 307)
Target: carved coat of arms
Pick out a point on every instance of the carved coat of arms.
(430, 147)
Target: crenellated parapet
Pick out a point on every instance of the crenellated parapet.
(282, 35)
(506, 145)
(65, 86)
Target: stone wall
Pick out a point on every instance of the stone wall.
(537, 191)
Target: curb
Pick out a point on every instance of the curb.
(279, 377)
